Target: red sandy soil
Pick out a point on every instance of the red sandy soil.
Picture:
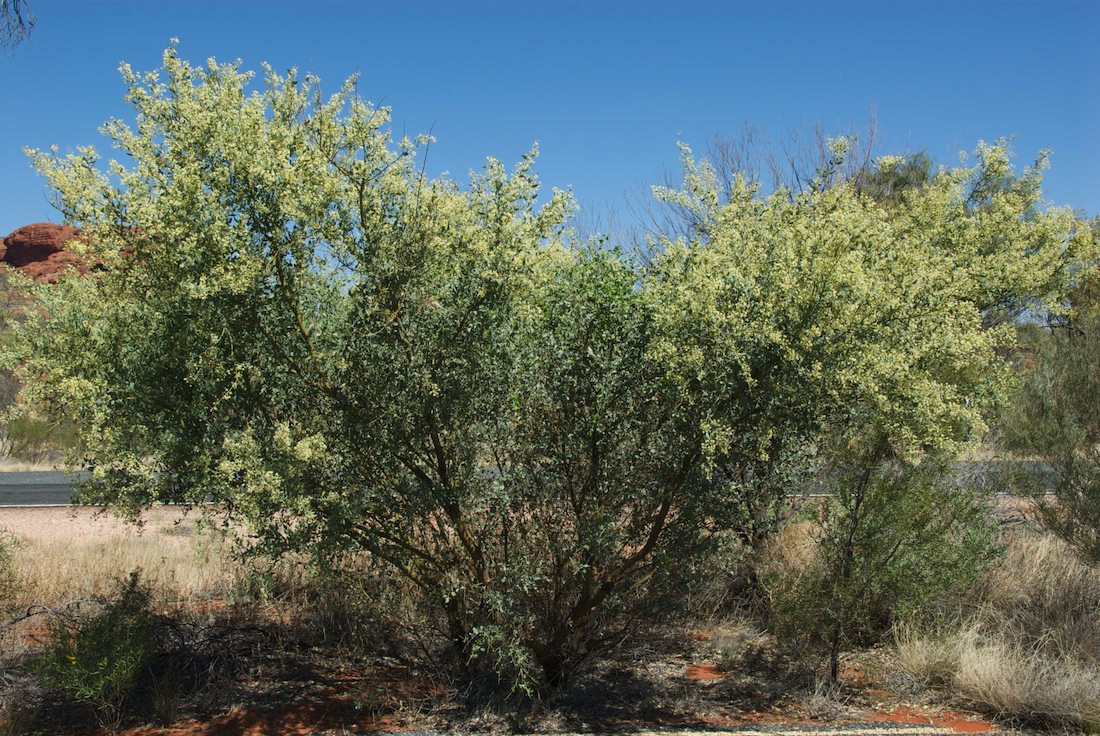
(703, 673)
(360, 703)
(957, 722)
(364, 703)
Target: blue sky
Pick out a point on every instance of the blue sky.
(604, 87)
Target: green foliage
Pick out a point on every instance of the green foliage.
(800, 319)
(893, 542)
(787, 314)
(599, 463)
(294, 322)
(894, 176)
(98, 661)
(8, 579)
(24, 435)
(1053, 424)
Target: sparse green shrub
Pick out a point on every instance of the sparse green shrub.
(1054, 423)
(97, 661)
(362, 608)
(261, 581)
(893, 541)
(32, 439)
(25, 435)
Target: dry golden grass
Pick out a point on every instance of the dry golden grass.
(1029, 685)
(932, 658)
(1047, 596)
(789, 554)
(1006, 678)
(737, 639)
(64, 554)
(1028, 652)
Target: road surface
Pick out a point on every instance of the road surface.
(35, 489)
(56, 489)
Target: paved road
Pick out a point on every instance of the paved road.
(35, 489)
(53, 489)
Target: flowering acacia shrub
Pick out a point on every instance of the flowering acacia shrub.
(296, 323)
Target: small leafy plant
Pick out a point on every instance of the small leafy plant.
(98, 661)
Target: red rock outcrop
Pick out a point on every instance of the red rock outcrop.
(39, 251)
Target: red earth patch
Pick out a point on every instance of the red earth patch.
(703, 673)
(957, 722)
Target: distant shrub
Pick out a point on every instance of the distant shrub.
(34, 440)
(1055, 419)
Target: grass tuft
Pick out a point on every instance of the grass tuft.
(1027, 652)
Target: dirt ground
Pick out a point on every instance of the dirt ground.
(86, 522)
(272, 679)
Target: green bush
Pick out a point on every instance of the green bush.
(1054, 422)
(437, 376)
(892, 542)
(98, 661)
(33, 440)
